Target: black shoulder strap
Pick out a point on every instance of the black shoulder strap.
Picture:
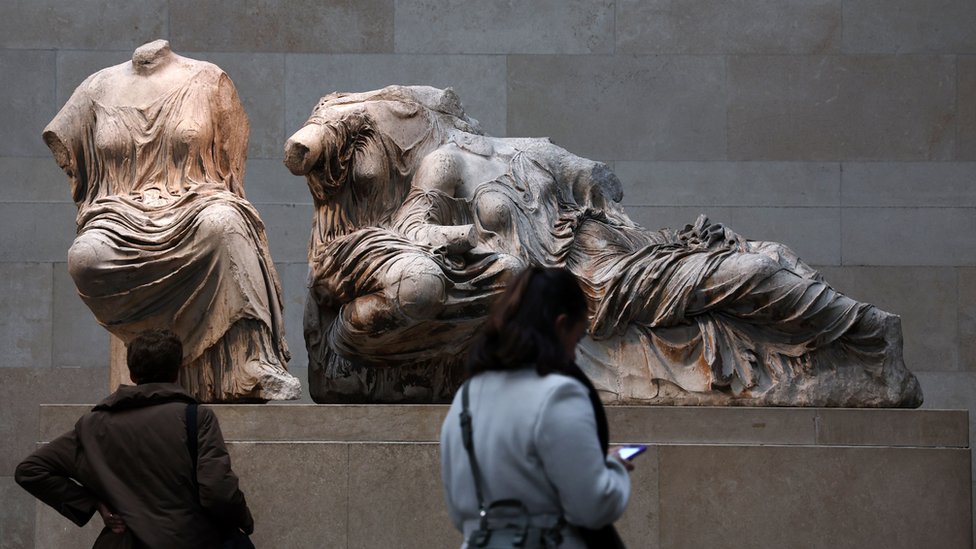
(191, 436)
(468, 438)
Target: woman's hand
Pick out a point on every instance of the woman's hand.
(112, 521)
(615, 452)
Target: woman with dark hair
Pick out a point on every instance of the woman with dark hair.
(537, 427)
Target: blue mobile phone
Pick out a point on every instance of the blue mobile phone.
(631, 451)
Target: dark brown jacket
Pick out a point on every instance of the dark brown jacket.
(130, 452)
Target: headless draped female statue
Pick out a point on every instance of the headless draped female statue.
(154, 150)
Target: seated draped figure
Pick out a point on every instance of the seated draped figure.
(154, 150)
(421, 218)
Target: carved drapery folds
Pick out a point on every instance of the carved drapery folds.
(154, 150)
(420, 219)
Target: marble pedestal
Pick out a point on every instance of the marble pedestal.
(346, 476)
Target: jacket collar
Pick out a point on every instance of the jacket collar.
(146, 394)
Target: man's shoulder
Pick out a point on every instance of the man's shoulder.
(143, 395)
(206, 412)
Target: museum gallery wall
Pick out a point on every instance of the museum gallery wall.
(836, 128)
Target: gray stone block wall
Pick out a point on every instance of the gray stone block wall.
(844, 128)
(480, 80)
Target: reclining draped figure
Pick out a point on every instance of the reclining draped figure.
(154, 151)
(420, 218)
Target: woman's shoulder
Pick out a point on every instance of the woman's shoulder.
(562, 388)
(530, 383)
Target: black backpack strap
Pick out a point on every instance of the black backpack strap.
(468, 437)
(237, 538)
(191, 436)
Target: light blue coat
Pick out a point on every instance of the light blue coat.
(535, 439)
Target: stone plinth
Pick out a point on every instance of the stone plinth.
(345, 476)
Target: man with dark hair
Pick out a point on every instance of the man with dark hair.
(154, 356)
(130, 459)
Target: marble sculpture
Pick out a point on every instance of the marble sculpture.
(420, 218)
(154, 150)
